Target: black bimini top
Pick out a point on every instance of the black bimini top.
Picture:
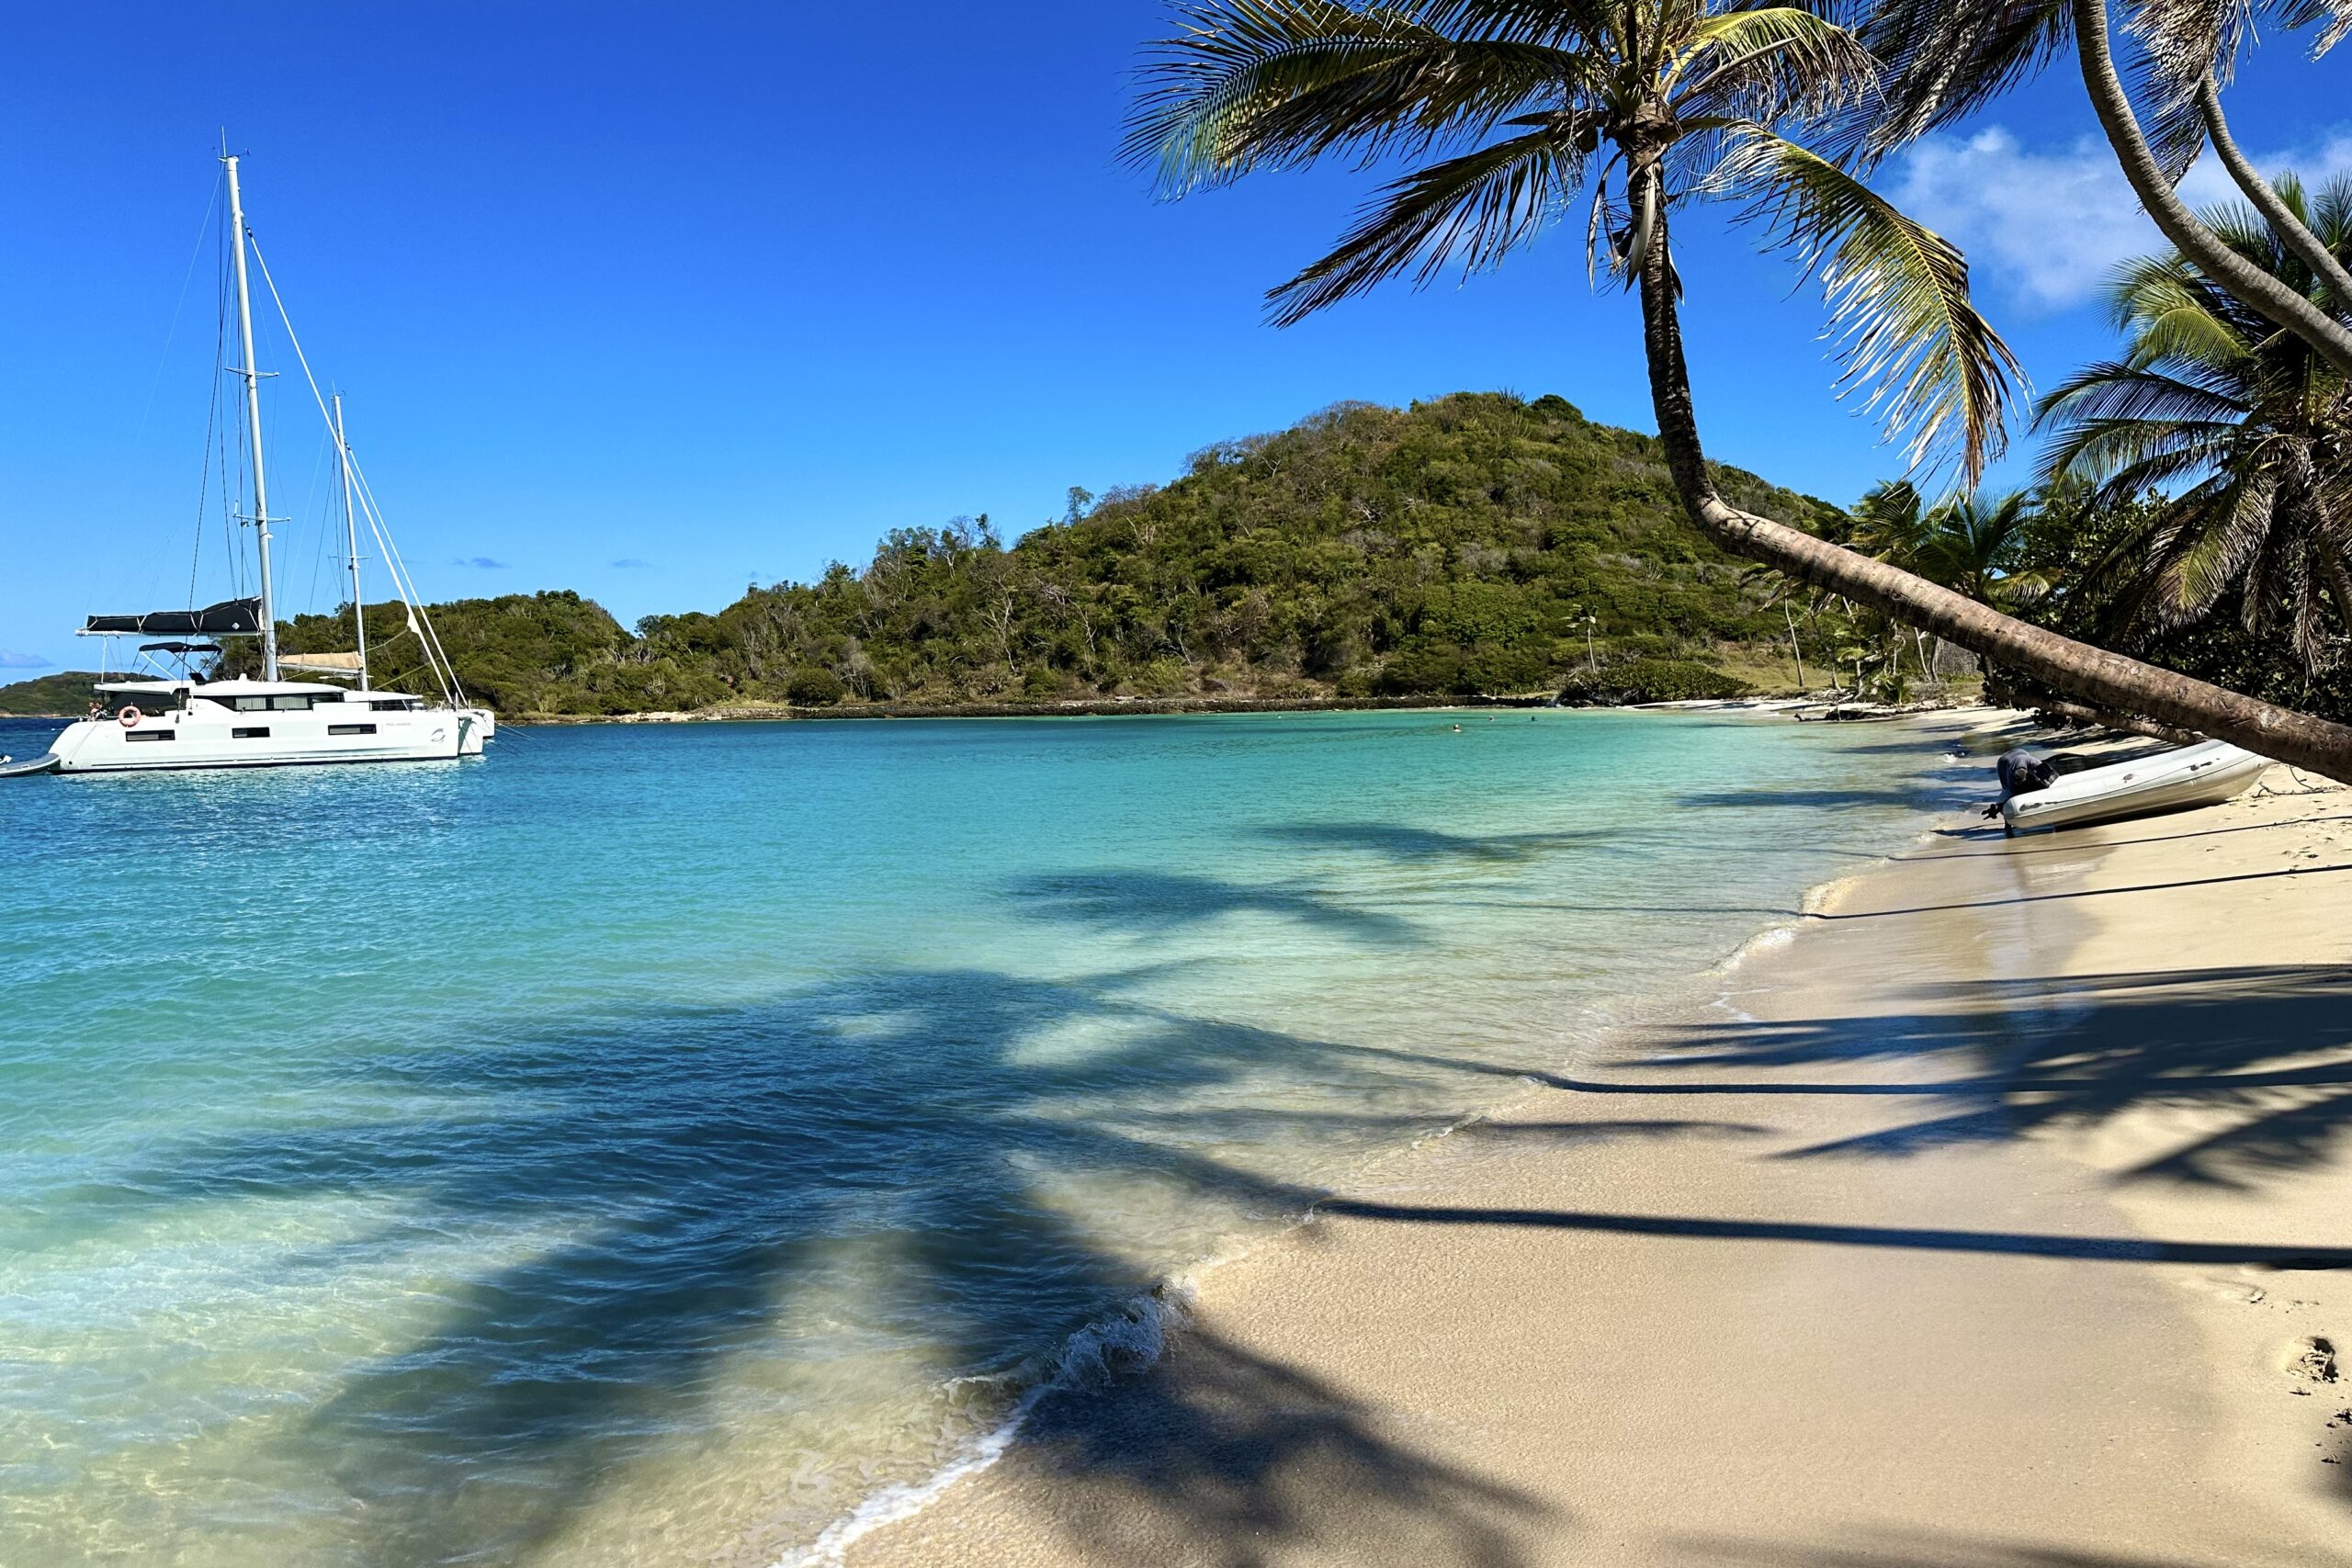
(230, 618)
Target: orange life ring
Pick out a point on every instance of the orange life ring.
(130, 715)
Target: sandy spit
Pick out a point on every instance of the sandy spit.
(2001, 1219)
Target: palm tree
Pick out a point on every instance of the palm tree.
(2246, 428)
(1968, 542)
(1948, 58)
(1510, 110)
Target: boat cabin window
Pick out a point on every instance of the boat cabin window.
(395, 704)
(146, 702)
(151, 735)
(256, 732)
(351, 729)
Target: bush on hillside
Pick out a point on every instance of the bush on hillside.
(813, 688)
(1650, 681)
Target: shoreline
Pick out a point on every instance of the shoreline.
(1139, 707)
(1143, 708)
(1284, 1427)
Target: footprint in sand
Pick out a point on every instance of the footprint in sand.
(2313, 1360)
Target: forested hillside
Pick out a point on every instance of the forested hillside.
(65, 695)
(1453, 548)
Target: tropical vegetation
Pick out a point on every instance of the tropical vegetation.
(2245, 429)
(67, 692)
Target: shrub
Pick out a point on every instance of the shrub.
(812, 688)
(1650, 681)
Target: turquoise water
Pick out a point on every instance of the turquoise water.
(645, 1143)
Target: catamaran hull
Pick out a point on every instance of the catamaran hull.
(2204, 774)
(104, 746)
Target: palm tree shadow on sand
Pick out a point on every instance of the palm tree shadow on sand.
(2263, 1054)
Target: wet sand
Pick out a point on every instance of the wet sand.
(2000, 1218)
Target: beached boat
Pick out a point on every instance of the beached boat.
(2203, 775)
(172, 720)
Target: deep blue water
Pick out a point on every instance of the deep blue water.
(642, 1144)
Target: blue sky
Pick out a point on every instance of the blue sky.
(651, 301)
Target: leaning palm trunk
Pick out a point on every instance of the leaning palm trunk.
(2100, 679)
(2171, 215)
(2290, 229)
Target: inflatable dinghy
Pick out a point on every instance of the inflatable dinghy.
(2203, 775)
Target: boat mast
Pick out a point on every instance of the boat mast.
(351, 533)
(252, 373)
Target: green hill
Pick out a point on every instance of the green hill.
(63, 696)
(1450, 548)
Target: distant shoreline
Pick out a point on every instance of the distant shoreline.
(1106, 708)
(1167, 707)
(1141, 706)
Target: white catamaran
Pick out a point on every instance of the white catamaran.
(160, 722)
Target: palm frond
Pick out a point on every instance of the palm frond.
(2208, 538)
(1555, 24)
(1765, 64)
(2187, 333)
(2113, 389)
(1252, 84)
(2334, 21)
(1469, 211)
(1908, 334)
(1944, 62)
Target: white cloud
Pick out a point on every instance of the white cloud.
(22, 661)
(2048, 225)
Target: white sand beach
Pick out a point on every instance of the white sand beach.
(2002, 1217)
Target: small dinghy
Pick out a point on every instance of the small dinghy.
(2203, 775)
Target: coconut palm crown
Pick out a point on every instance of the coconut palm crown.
(1969, 541)
(2245, 429)
(1516, 112)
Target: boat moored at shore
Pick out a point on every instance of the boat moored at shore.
(148, 726)
(2204, 774)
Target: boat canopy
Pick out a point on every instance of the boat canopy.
(239, 687)
(230, 618)
(321, 663)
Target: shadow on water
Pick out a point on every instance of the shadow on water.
(693, 1164)
(1424, 845)
(1809, 798)
(1152, 902)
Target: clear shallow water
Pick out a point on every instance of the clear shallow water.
(640, 1146)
